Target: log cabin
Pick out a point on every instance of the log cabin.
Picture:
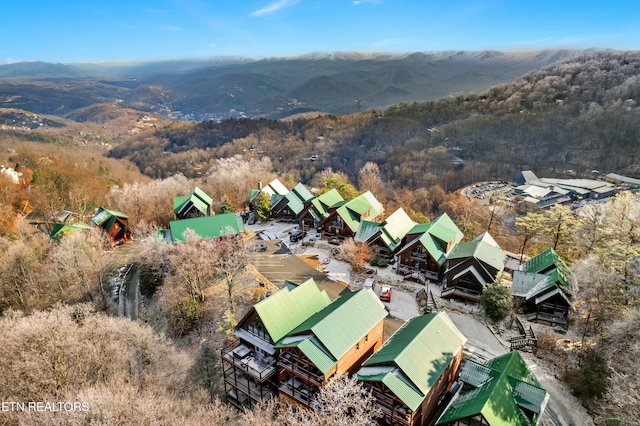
(196, 204)
(471, 266)
(412, 372)
(332, 342)
(502, 391)
(385, 237)
(543, 287)
(250, 361)
(425, 248)
(316, 209)
(345, 216)
(289, 207)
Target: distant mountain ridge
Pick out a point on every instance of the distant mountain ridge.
(339, 82)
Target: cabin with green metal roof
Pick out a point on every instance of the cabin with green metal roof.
(249, 362)
(114, 223)
(220, 225)
(331, 342)
(317, 209)
(196, 204)
(345, 216)
(471, 266)
(426, 246)
(411, 373)
(543, 287)
(500, 392)
(385, 237)
(275, 190)
(289, 206)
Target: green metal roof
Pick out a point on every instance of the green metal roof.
(545, 260)
(435, 235)
(253, 193)
(207, 226)
(302, 192)
(482, 249)
(275, 199)
(197, 197)
(313, 349)
(323, 202)
(396, 227)
(422, 349)
(502, 386)
(297, 197)
(178, 201)
(345, 321)
(62, 229)
(352, 211)
(103, 215)
(275, 187)
(286, 309)
(396, 381)
(391, 231)
(367, 230)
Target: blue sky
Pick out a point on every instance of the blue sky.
(82, 31)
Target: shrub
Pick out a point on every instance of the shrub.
(184, 315)
(589, 381)
(383, 263)
(496, 301)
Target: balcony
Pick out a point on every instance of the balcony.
(462, 292)
(298, 390)
(247, 387)
(301, 368)
(244, 358)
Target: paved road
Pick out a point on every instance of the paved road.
(277, 264)
(128, 296)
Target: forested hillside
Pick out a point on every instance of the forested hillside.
(580, 114)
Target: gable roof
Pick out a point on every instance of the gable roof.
(354, 314)
(483, 248)
(501, 387)
(321, 204)
(207, 226)
(287, 308)
(417, 354)
(391, 231)
(198, 198)
(104, 216)
(549, 259)
(275, 187)
(351, 211)
(543, 277)
(297, 197)
(434, 236)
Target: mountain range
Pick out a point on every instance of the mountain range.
(218, 88)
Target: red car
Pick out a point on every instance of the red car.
(385, 293)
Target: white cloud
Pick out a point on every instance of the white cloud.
(357, 2)
(9, 60)
(172, 28)
(274, 7)
(213, 45)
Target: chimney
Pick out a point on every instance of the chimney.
(260, 185)
(551, 187)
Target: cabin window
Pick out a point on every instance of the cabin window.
(257, 329)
